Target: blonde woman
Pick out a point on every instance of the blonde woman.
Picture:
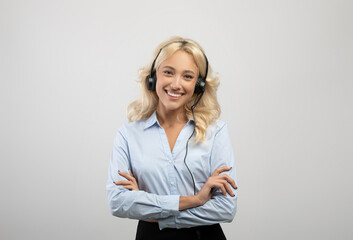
(172, 167)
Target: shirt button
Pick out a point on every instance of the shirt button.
(172, 183)
(170, 161)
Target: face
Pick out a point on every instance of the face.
(176, 79)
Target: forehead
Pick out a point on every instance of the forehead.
(181, 61)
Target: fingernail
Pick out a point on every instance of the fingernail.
(119, 171)
(230, 168)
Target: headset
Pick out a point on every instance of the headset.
(199, 90)
(152, 77)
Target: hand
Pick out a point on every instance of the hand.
(216, 181)
(131, 184)
(151, 220)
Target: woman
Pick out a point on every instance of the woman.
(172, 166)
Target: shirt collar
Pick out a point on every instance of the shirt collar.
(152, 120)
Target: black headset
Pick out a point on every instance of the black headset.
(152, 77)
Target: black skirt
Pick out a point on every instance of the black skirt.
(151, 231)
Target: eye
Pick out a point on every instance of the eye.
(189, 77)
(167, 72)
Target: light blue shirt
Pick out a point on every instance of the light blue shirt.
(142, 146)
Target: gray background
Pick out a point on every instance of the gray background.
(68, 71)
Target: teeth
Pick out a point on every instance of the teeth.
(174, 95)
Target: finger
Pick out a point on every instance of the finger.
(122, 182)
(221, 187)
(223, 190)
(228, 189)
(130, 187)
(229, 180)
(132, 175)
(221, 169)
(125, 175)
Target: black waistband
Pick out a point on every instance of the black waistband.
(148, 230)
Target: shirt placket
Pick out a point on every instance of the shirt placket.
(172, 181)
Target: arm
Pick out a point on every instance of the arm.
(134, 204)
(215, 181)
(219, 208)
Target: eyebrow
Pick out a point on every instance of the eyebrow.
(186, 71)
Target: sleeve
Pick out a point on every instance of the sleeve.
(219, 208)
(134, 204)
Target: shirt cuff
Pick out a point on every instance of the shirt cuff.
(168, 222)
(170, 205)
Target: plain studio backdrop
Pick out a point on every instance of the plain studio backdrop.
(68, 71)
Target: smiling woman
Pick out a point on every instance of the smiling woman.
(208, 109)
(175, 188)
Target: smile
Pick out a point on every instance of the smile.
(174, 94)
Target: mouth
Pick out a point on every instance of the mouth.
(174, 95)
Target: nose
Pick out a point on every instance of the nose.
(175, 83)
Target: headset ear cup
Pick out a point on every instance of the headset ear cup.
(200, 85)
(151, 82)
(154, 82)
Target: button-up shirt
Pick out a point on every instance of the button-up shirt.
(142, 147)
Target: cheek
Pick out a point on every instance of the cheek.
(159, 90)
(160, 85)
(191, 87)
(162, 81)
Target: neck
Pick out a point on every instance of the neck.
(171, 118)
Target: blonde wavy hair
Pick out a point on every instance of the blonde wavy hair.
(207, 110)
